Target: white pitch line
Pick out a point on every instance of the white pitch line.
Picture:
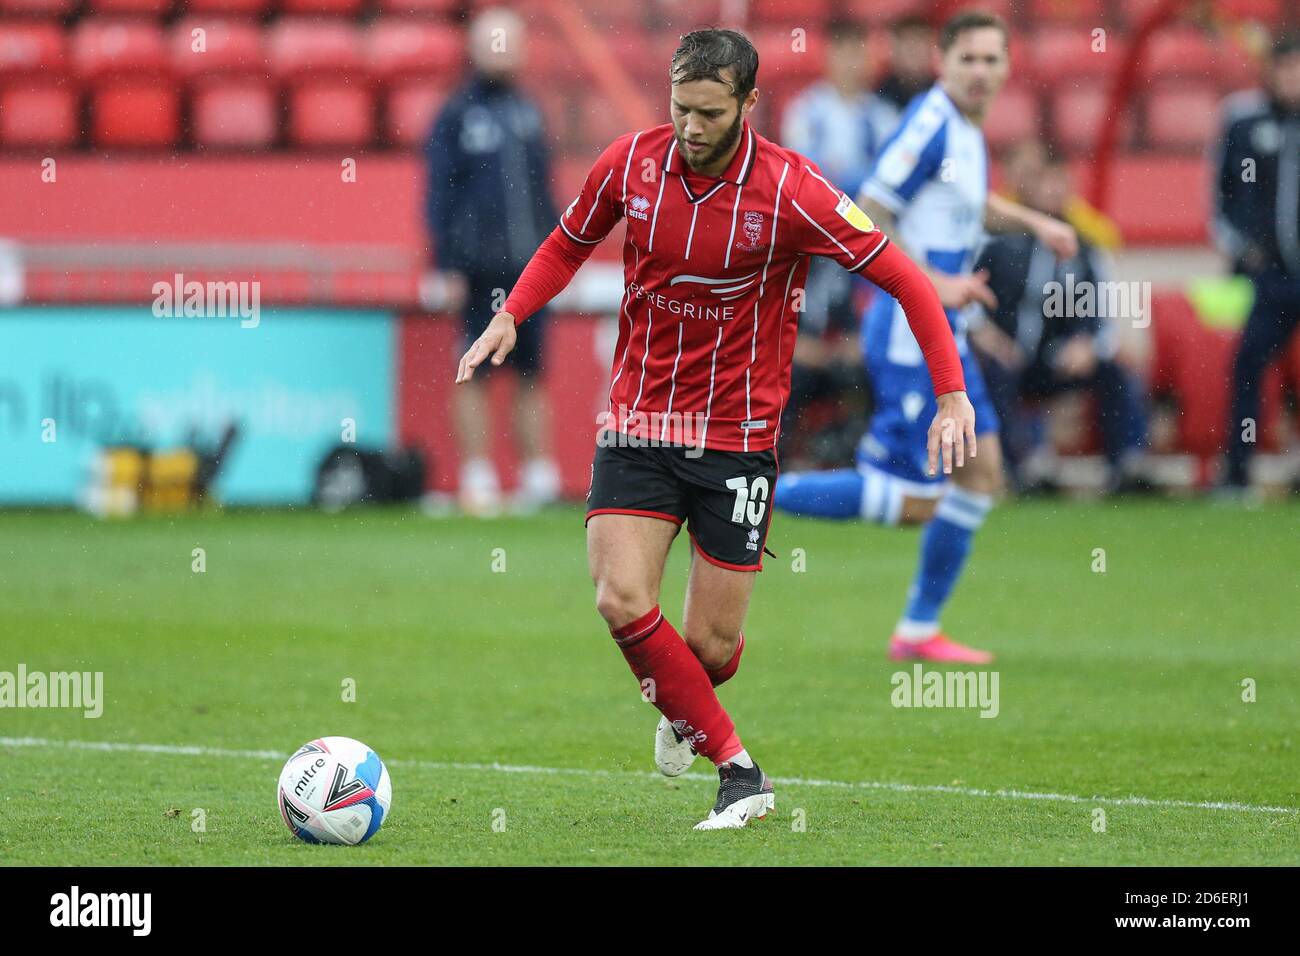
(1002, 794)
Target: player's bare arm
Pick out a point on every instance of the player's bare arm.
(955, 292)
(1003, 215)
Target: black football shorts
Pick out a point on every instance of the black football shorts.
(723, 497)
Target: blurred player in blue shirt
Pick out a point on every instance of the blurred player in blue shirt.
(929, 192)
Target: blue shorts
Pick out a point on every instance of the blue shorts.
(895, 441)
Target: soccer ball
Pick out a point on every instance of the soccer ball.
(334, 790)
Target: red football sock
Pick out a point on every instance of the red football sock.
(681, 690)
(721, 675)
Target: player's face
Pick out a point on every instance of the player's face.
(707, 119)
(974, 69)
(1286, 79)
(1051, 191)
(497, 49)
(846, 62)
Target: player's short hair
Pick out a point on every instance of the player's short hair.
(970, 20)
(704, 54)
(1285, 45)
(910, 23)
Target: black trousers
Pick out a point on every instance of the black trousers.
(1268, 329)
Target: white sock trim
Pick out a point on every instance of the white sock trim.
(965, 509)
(914, 632)
(882, 497)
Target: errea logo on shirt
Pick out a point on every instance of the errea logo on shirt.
(637, 206)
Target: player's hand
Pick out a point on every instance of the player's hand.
(497, 341)
(1058, 236)
(957, 292)
(952, 433)
(1077, 357)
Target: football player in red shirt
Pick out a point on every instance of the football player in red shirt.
(720, 226)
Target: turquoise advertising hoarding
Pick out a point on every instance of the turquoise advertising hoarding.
(74, 378)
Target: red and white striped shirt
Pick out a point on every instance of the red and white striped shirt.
(714, 273)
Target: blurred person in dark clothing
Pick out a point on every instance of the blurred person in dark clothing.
(1037, 343)
(489, 207)
(1257, 225)
(911, 61)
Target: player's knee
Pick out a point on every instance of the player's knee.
(917, 510)
(981, 475)
(620, 605)
(714, 646)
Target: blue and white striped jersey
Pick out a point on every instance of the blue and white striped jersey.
(932, 173)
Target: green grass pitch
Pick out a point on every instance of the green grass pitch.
(515, 733)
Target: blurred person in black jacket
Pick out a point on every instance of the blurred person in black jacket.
(1039, 342)
(489, 207)
(911, 61)
(1257, 225)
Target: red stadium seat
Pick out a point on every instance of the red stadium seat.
(766, 13)
(241, 113)
(556, 104)
(142, 8)
(1135, 12)
(230, 8)
(331, 112)
(37, 8)
(407, 48)
(1066, 53)
(1238, 66)
(27, 47)
(1013, 118)
(133, 112)
(1264, 11)
(1182, 52)
(227, 46)
(134, 101)
(1194, 363)
(1078, 113)
(340, 8)
(776, 54)
(550, 59)
(411, 110)
(1157, 198)
(430, 8)
(1085, 12)
(114, 47)
(882, 12)
(1182, 117)
(298, 47)
(38, 113)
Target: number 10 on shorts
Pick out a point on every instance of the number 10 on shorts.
(751, 500)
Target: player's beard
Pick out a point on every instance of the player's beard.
(719, 150)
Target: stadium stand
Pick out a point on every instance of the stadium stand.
(197, 90)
